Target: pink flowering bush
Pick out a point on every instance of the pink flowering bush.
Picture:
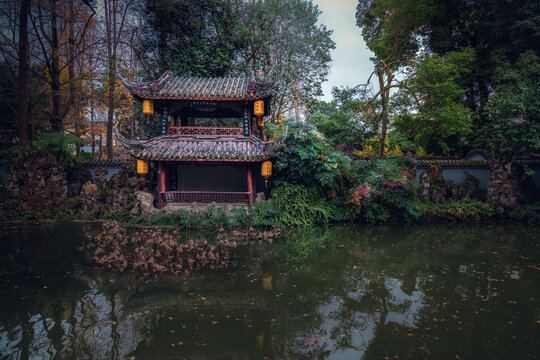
(382, 190)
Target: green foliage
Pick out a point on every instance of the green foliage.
(308, 159)
(241, 218)
(458, 210)
(340, 120)
(303, 245)
(57, 145)
(501, 32)
(123, 215)
(529, 213)
(175, 218)
(214, 216)
(391, 28)
(396, 138)
(431, 112)
(195, 219)
(300, 205)
(513, 121)
(283, 39)
(270, 39)
(192, 38)
(382, 190)
(263, 214)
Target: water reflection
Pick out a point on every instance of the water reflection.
(333, 293)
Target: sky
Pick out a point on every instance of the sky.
(351, 65)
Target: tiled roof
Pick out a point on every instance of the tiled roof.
(168, 86)
(204, 148)
(453, 163)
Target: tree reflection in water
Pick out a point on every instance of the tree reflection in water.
(330, 292)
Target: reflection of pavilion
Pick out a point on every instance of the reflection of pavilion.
(208, 151)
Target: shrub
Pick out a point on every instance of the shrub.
(308, 159)
(59, 146)
(122, 215)
(214, 216)
(382, 190)
(263, 214)
(529, 213)
(300, 205)
(195, 219)
(162, 218)
(458, 210)
(371, 149)
(239, 217)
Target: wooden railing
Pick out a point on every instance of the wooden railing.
(200, 130)
(204, 197)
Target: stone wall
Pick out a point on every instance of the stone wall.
(509, 184)
(435, 188)
(124, 190)
(44, 185)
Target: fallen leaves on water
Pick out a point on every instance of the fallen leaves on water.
(153, 252)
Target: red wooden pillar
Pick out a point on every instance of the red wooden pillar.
(162, 182)
(249, 184)
(250, 120)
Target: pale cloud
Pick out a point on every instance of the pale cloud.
(351, 58)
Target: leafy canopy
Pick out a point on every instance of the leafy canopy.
(429, 105)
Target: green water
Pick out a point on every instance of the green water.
(432, 291)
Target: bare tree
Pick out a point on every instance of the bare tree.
(23, 73)
(116, 14)
(50, 21)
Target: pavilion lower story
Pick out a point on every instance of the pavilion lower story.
(206, 182)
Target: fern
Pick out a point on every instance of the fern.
(300, 205)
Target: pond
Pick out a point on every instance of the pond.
(338, 292)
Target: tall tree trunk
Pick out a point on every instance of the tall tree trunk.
(23, 73)
(384, 112)
(56, 118)
(100, 145)
(110, 24)
(71, 74)
(110, 115)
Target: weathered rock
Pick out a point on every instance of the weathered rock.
(145, 203)
(89, 195)
(44, 184)
(432, 184)
(508, 183)
(435, 189)
(260, 197)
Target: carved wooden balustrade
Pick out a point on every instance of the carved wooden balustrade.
(199, 130)
(205, 197)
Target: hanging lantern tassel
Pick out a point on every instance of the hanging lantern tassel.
(258, 111)
(266, 171)
(148, 109)
(142, 169)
